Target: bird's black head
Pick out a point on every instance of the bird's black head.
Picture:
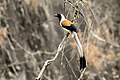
(58, 16)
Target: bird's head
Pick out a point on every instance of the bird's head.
(60, 16)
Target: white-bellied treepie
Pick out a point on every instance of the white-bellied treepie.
(70, 27)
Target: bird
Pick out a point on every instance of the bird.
(68, 26)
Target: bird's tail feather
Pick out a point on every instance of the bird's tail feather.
(82, 63)
(79, 46)
(80, 50)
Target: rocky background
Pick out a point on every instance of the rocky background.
(30, 35)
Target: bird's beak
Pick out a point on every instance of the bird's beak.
(56, 15)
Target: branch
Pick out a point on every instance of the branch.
(70, 67)
(97, 37)
(60, 47)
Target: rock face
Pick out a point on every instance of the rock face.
(34, 35)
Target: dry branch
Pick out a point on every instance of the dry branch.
(60, 47)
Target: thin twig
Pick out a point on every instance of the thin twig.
(98, 25)
(70, 67)
(3, 73)
(11, 60)
(97, 37)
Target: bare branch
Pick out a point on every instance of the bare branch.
(60, 47)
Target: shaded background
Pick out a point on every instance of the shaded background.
(30, 35)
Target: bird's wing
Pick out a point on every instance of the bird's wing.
(66, 23)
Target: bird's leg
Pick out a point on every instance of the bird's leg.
(68, 33)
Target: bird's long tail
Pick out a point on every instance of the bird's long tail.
(80, 50)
